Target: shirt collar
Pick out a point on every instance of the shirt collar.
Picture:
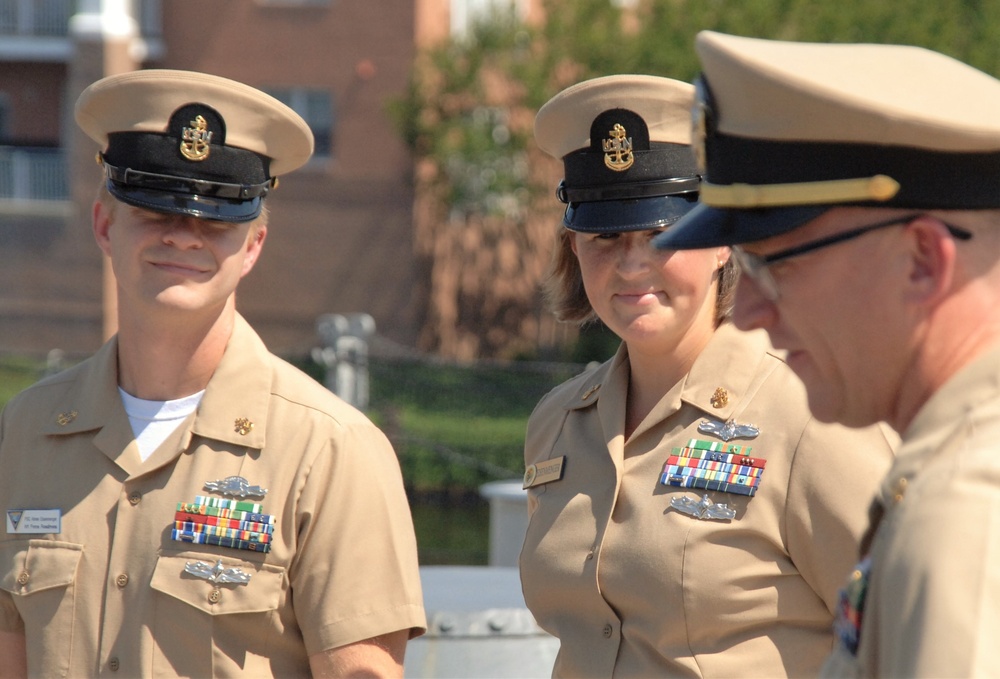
(235, 406)
(729, 362)
(974, 385)
(233, 410)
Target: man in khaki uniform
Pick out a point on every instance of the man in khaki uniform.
(688, 517)
(860, 186)
(184, 502)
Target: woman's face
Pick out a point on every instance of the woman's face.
(655, 300)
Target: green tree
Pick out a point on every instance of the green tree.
(485, 212)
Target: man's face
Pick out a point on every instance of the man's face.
(838, 313)
(171, 262)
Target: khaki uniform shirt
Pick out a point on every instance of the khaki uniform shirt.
(633, 586)
(932, 607)
(107, 594)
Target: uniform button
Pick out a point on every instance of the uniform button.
(590, 555)
(113, 664)
(900, 490)
(215, 596)
(122, 580)
(608, 630)
(22, 579)
(135, 497)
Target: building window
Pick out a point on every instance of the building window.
(5, 109)
(316, 108)
(293, 3)
(465, 14)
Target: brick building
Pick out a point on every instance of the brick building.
(340, 239)
(342, 236)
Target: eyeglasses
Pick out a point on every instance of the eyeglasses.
(755, 266)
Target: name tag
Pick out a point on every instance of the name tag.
(34, 521)
(543, 472)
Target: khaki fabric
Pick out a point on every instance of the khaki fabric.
(635, 588)
(934, 584)
(893, 95)
(563, 124)
(109, 591)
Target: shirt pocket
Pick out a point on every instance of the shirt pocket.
(40, 575)
(222, 623)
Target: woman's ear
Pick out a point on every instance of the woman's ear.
(722, 256)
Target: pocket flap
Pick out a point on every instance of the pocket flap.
(261, 592)
(36, 565)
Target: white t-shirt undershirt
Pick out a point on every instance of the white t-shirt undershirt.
(153, 421)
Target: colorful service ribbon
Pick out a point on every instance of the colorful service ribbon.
(223, 522)
(710, 465)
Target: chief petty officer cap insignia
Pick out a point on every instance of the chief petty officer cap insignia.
(789, 130)
(625, 145)
(191, 143)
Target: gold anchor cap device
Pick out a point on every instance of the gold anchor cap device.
(191, 143)
(625, 145)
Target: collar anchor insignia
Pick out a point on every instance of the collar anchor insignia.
(720, 398)
(242, 426)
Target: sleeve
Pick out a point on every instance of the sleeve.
(835, 474)
(938, 588)
(10, 619)
(355, 574)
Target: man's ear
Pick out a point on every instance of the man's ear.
(933, 259)
(100, 219)
(255, 243)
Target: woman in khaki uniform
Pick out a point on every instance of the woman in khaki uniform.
(688, 516)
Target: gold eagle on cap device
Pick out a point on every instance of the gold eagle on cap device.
(618, 150)
(196, 140)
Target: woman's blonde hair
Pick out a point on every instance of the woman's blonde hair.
(567, 298)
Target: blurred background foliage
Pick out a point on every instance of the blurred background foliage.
(486, 215)
(510, 67)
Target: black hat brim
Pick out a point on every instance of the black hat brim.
(605, 216)
(709, 227)
(191, 205)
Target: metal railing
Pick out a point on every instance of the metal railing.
(34, 174)
(50, 18)
(42, 18)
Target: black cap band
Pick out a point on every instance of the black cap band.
(163, 182)
(927, 178)
(663, 187)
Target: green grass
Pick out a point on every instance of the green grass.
(457, 427)
(17, 373)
